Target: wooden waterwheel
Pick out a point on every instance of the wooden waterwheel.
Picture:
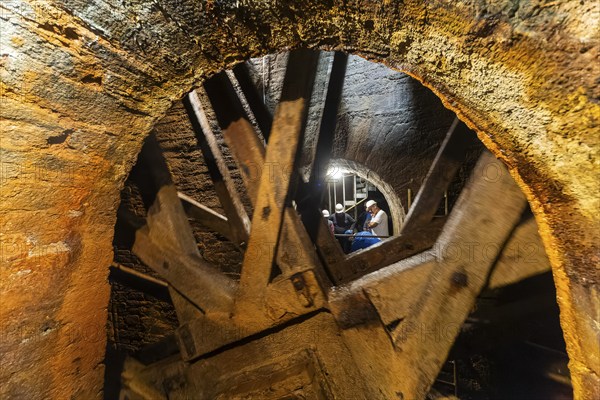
(304, 320)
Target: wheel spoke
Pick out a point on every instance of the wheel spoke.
(286, 134)
(240, 136)
(206, 216)
(167, 245)
(263, 117)
(417, 306)
(312, 193)
(448, 160)
(314, 189)
(166, 217)
(522, 257)
(387, 252)
(223, 184)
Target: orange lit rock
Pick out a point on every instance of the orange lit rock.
(83, 84)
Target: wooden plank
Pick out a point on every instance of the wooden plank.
(259, 109)
(203, 335)
(184, 308)
(273, 189)
(195, 279)
(413, 310)
(166, 242)
(318, 103)
(295, 254)
(387, 252)
(328, 124)
(205, 216)
(239, 134)
(165, 213)
(446, 164)
(223, 184)
(312, 193)
(329, 249)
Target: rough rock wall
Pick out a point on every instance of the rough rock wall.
(83, 82)
(393, 125)
(138, 314)
(388, 122)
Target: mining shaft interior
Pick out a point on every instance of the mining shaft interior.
(228, 284)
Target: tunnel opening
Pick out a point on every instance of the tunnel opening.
(350, 192)
(372, 140)
(354, 185)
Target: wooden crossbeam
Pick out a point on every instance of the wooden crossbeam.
(419, 231)
(446, 164)
(239, 134)
(167, 245)
(259, 109)
(206, 216)
(286, 133)
(223, 184)
(196, 280)
(413, 310)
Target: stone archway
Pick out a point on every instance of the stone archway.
(396, 208)
(83, 84)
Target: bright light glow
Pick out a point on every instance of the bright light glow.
(335, 173)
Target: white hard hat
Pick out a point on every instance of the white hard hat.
(339, 208)
(370, 203)
(325, 213)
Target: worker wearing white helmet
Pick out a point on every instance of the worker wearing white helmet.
(329, 222)
(343, 224)
(379, 219)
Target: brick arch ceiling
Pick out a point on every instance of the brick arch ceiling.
(84, 82)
